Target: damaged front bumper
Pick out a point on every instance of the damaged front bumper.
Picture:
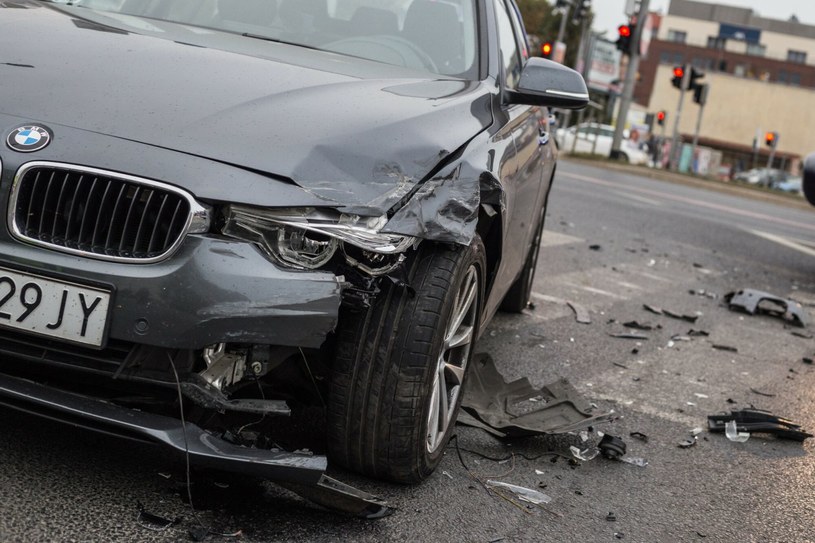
(301, 472)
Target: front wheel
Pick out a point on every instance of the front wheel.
(399, 368)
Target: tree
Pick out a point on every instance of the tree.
(542, 20)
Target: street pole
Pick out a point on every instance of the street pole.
(562, 32)
(702, 102)
(675, 153)
(630, 77)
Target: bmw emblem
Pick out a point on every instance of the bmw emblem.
(27, 139)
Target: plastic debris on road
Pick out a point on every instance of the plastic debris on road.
(523, 493)
(586, 454)
(733, 434)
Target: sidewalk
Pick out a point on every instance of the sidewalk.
(740, 189)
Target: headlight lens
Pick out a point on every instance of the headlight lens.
(307, 238)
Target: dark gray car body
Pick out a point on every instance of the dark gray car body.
(233, 120)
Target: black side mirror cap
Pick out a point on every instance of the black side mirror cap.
(551, 84)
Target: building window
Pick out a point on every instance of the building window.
(715, 42)
(702, 63)
(678, 59)
(789, 78)
(677, 36)
(799, 57)
(722, 65)
(666, 57)
(756, 49)
(739, 70)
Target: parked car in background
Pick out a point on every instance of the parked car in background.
(256, 206)
(596, 139)
(791, 184)
(767, 177)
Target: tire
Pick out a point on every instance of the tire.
(517, 297)
(384, 417)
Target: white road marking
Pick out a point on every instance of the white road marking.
(636, 198)
(784, 241)
(629, 285)
(597, 291)
(552, 239)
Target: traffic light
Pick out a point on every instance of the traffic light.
(695, 76)
(771, 139)
(679, 74)
(700, 93)
(581, 10)
(624, 39)
(661, 118)
(547, 49)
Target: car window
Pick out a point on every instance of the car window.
(509, 46)
(439, 36)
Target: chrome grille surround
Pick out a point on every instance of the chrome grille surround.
(197, 219)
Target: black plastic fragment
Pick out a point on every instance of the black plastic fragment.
(612, 447)
(635, 325)
(758, 421)
(750, 301)
(729, 348)
(640, 436)
(611, 517)
(629, 335)
(806, 360)
(668, 313)
(154, 522)
(762, 393)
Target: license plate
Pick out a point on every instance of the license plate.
(53, 308)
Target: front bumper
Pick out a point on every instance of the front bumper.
(212, 290)
(301, 472)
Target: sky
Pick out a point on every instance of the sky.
(609, 13)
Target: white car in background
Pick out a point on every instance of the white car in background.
(596, 139)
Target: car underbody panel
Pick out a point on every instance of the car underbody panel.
(302, 472)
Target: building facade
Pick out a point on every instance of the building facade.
(761, 74)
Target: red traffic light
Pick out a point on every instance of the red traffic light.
(769, 138)
(679, 72)
(546, 49)
(624, 30)
(660, 116)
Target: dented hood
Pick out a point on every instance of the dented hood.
(355, 133)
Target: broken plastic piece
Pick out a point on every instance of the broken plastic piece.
(758, 421)
(639, 435)
(523, 493)
(611, 517)
(638, 325)
(697, 333)
(720, 347)
(505, 407)
(762, 393)
(581, 314)
(634, 461)
(612, 447)
(733, 434)
(750, 301)
(668, 313)
(152, 521)
(688, 443)
(806, 360)
(586, 454)
(629, 335)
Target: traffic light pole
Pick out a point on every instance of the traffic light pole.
(561, 33)
(675, 151)
(703, 100)
(630, 77)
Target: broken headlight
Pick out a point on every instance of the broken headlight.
(307, 238)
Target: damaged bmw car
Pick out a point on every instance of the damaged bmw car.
(223, 214)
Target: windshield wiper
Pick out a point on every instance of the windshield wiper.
(277, 40)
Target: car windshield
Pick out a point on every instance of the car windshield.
(434, 35)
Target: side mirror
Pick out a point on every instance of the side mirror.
(551, 84)
(809, 178)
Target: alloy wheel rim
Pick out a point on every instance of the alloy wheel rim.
(459, 334)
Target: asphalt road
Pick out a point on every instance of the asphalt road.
(657, 241)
